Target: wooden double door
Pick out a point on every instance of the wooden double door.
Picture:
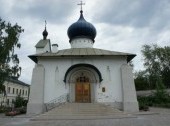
(82, 92)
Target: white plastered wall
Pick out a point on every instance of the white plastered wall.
(81, 43)
(55, 70)
(47, 48)
(12, 95)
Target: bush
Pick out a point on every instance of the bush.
(155, 101)
(5, 109)
(20, 102)
(164, 105)
(159, 99)
(145, 102)
(21, 110)
(161, 96)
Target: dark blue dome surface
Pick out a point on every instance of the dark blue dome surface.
(81, 28)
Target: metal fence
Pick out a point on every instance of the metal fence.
(56, 102)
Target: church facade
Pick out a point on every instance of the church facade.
(84, 73)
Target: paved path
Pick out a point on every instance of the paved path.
(156, 117)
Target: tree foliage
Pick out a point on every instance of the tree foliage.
(141, 81)
(157, 64)
(20, 102)
(9, 41)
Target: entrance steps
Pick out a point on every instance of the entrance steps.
(82, 111)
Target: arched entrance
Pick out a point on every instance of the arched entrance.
(83, 80)
(82, 90)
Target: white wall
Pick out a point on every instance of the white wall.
(43, 50)
(110, 69)
(81, 43)
(12, 95)
(55, 70)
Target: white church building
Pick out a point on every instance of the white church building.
(83, 73)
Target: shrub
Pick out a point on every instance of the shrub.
(5, 109)
(145, 102)
(160, 98)
(20, 102)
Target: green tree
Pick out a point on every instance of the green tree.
(157, 63)
(9, 61)
(141, 81)
(20, 102)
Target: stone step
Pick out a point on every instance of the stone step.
(78, 111)
(83, 114)
(82, 111)
(65, 112)
(86, 108)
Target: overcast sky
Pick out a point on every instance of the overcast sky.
(122, 25)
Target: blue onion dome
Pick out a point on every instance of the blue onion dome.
(45, 34)
(81, 29)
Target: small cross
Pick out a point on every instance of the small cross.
(81, 3)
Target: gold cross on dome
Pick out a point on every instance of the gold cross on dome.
(81, 4)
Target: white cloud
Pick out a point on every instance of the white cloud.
(121, 25)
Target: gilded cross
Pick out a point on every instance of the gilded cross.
(81, 4)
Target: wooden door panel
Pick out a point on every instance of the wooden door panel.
(79, 92)
(86, 92)
(83, 92)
